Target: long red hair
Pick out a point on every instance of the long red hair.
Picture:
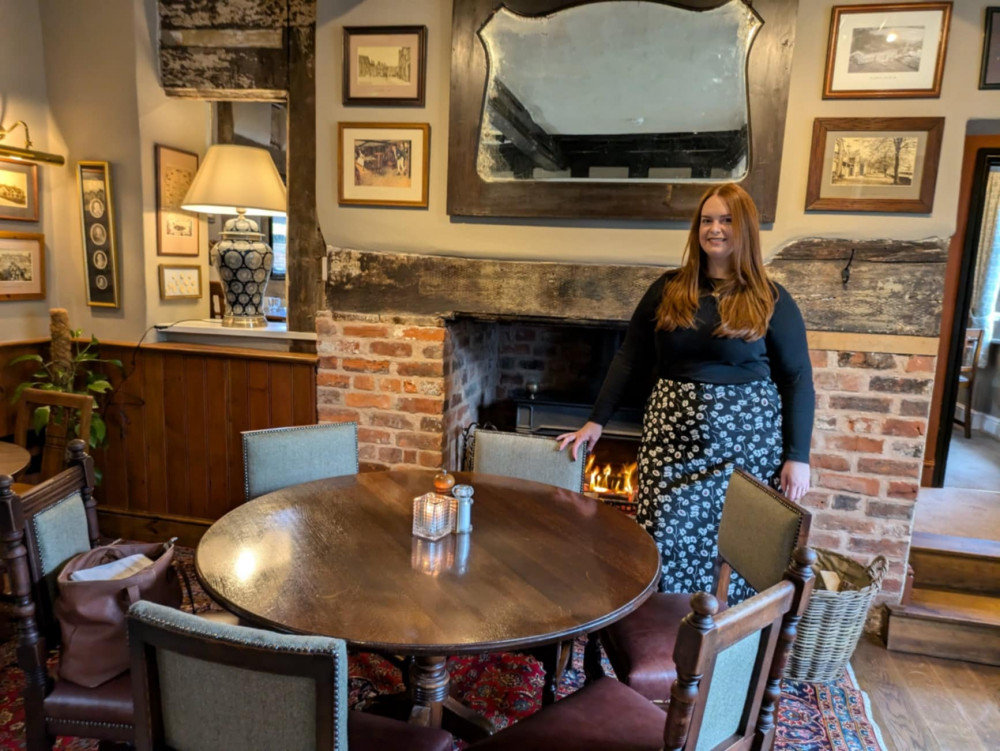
(746, 298)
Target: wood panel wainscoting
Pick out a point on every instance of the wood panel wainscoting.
(174, 460)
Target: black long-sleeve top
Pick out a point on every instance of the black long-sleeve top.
(694, 354)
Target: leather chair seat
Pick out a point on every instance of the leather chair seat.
(369, 732)
(588, 720)
(641, 646)
(110, 702)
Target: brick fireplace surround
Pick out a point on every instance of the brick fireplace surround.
(413, 381)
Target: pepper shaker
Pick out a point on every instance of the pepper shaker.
(463, 515)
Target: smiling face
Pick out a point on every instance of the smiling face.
(715, 235)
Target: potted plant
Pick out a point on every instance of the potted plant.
(70, 369)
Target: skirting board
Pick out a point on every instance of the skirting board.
(988, 424)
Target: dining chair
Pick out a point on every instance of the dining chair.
(40, 530)
(758, 532)
(58, 426)
(967, 375)
(275, 458)
(200, 685)
(531, 457)
(527, 457)
(725, 696)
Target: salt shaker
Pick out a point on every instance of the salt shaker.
(463, 515)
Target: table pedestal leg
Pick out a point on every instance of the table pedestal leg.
(434, 707)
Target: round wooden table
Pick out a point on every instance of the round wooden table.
(337, 557)
(13, 458)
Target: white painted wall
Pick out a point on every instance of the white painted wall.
(432, 231)
(23, 96)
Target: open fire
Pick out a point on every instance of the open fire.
(610, 481)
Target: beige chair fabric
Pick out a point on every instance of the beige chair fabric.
(527, 457)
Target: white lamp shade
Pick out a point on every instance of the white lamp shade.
(236, 178)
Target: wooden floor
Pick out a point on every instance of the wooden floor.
(958, 512)
(927, 704)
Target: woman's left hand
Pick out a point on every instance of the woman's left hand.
(795, 479)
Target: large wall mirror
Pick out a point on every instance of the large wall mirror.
(614, 108)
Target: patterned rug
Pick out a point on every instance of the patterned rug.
(508, 687)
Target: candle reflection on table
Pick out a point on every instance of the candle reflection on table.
(435, 557)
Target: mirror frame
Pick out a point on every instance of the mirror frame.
(768, 74)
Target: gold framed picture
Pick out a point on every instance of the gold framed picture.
(383, 164)
(874, 164)
(100, 254)
(18, 190)
(22, 266)
(886, 51)
(180, 281)
(176, 229)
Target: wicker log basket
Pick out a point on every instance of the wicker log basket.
(833, 621)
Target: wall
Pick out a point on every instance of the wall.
(24, 96)
(432, 231)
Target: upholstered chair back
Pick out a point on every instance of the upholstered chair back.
(527, 457)
(278, 457)
(759, 530)
(200, 685)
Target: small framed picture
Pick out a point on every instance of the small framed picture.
(18, 190)
(100, 257)
(886, 50)
(989, 78)
(385, 65)
(874, 164)
(180, 281)
(22, 266)
(176, 229)
(383, 164)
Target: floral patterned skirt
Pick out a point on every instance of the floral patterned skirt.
(693, 436)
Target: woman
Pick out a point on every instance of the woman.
(733, 389)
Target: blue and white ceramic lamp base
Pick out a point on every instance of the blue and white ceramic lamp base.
(243, 261)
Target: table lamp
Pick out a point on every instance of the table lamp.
(234, 180)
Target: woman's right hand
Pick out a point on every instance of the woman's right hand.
(589, 434)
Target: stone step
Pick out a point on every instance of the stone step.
(956, 564)
(952, 625)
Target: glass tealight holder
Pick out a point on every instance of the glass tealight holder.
(433, 516)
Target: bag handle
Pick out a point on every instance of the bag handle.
(877, 570)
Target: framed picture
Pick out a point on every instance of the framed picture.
(989, 78)
(874, 164)
(886, 50)
(383, 164)
(100, 257)
(18, 190)
(176, 229)
(385, 65)
(22, 266)
(180, 281)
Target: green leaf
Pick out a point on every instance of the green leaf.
(76, 333)
(98, 476)
(98, 431)
(20, 388)
(116, 362)
(93, 341)
(85, 355)
(49, 387)
(100, 386)
(40, 419)
(26, 358)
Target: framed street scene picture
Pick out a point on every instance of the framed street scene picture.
(385, 65)
(22, 266)
(383, 164)
(100, 257)
(989, 77)
(180, 281)
(18, 190)
(176, 229)
(874, 164)
(886, 50)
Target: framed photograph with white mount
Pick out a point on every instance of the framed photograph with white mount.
(989, 77)
(18, 190)
(385, 65)
(100, 257)
(874, 164)
(176, 229)
(22, 266)
(887, 51)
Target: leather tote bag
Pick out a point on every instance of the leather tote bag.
(92, 613)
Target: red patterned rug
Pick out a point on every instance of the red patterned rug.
(508, 687)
